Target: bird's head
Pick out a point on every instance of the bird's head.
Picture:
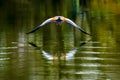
(58, 19)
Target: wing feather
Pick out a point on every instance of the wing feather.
(41, 25)
(75, 25)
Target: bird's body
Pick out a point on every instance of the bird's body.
(58, 20)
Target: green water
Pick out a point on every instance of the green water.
(59, 52)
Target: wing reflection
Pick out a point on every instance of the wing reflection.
(47, 55)
(65, 56)
(71, 53)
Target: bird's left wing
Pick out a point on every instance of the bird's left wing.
(75, 25)
(41, 25)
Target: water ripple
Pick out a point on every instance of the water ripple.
(95, 47)
(91, 52)
(2, 59)
(2, 48)
(89, 72)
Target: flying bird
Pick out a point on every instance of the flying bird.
(58, 20)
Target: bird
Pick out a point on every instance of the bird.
(59, 20)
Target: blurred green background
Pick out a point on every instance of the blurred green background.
(56, 52)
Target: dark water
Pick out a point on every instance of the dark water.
(60, 52)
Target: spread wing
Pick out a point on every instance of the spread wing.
(41, 25)
(75, 25)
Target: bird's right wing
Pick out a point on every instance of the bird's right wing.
(75, 25)
(41, 25)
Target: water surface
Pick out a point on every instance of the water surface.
(60, 52)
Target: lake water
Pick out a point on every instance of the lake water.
(60, 52)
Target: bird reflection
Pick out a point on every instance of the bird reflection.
(66, 56)
(59, 20)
